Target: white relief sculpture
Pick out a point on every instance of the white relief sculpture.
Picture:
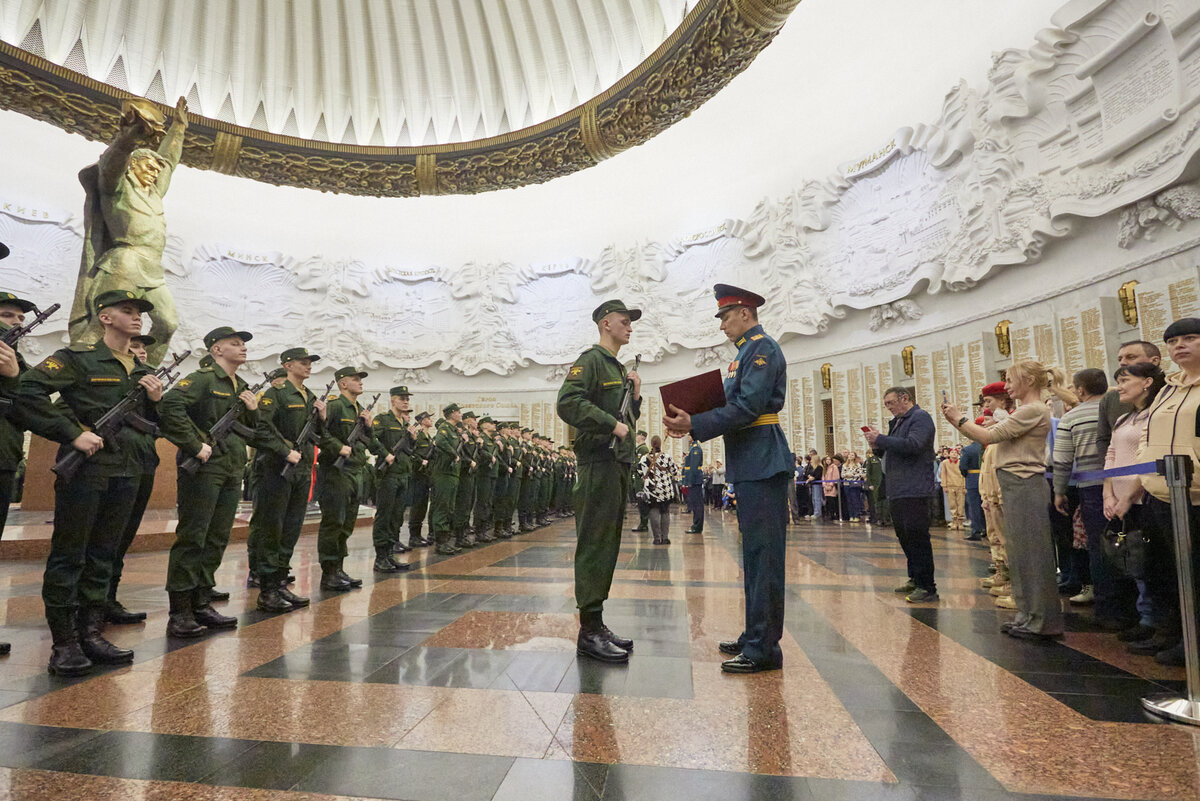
(711, 356)
(889, 314)
(555, 373)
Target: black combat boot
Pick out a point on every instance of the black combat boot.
(297, 601)
(182, 622)
(66, 657)
(92, 642)
(484, 536)
(330, 580)
(594, 643)
(383, 561)
(116, 611)
(269, 599)
(354, 582)
(205, 615)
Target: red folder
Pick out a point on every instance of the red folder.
(696, 394)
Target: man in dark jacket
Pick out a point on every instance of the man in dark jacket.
(907, 453)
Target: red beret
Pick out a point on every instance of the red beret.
(994, 390)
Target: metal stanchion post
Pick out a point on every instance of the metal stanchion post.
(1185, 708)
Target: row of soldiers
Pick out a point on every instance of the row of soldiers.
(471, 474)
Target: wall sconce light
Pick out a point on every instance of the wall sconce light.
(906, 356)
(827, 375)
(1003, 343)
(1128, 296)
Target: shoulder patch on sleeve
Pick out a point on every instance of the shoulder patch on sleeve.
(759, 360)
(185, 383)
(50, 365)
(575, 371)
(265, 401)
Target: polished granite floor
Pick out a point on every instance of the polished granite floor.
(459, 681)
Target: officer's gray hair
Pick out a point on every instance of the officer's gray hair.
(899, 392)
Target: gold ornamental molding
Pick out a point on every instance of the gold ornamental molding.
(716, 41)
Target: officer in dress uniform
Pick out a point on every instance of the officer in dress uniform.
(419, 483)
(444, 472)
(90, 509)
(12, 438)
(148, 457)
(340, 487)
(693, 479)
(207, 498)
(395, 434)
(760, 468)
(281, 501)
(590, 400)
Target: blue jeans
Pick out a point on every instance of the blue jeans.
(1116, 595)
(818, 498)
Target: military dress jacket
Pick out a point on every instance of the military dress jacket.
(90, 380)
(693, 466)
(191, 407)
(12, 436)
(341, 415)
(282, 415)
(489, 458)
(423, 450)
(590, 400)
(755, 388)
(389, 432)
(447, 445)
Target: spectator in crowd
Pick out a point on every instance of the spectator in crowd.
(659, 474)
(816, 469)
(907, 453)
(831, 483)
(1171, 429)
(954, 484)
(854, 475)
(1112, 407)
(718, 483)
(876, 497)
(1020, 442)
(1138, 384)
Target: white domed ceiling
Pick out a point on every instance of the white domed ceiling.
(387, 97)
(400, 73)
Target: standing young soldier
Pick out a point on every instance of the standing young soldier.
(393, 432)
(281, 501)
(464, 499)
(760, 468)
(443, 470)
(502, 510)
(639, 484)
(90, 509)
(148, 459)
(12, 438)
(340, 488)
(419, 486)
(207, 498)
(485, 481)
(590, 400)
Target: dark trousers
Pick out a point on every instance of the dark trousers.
(643, 514)
(390, 494)
(600, 495)
(207, 506)
(501, 512)
(442, 494)
(485, 494)
(1162, 582)
(762, 513)
(1072, 562)
(695, 502)
(464, 502)
(526, 500)
(145, 487)
(974, 510)
(803, 500)
(90, 512)
(279, 508)
(7, 482)
(910, 519)
(1116, 595)
(339, 513)
(418, 487)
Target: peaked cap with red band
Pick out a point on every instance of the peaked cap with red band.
(729, 296)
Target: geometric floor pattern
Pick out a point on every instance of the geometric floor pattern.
(459, 682)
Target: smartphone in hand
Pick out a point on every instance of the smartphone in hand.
(945, 398)
(866, 429)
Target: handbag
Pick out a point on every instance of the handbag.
(1125, 548)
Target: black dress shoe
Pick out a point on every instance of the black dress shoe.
(400, 547)
(5, 648)
(102, 652)
(334, 583)
(292, 598)
(384, 564)
(116, 613)
(624, 643)
(218, 595)
(640, 529)
(345, 577)
(271, 601)
(741, 664)
(592, 643)
(730, 647)
(211, 618)
(401, 566)
(67, 659)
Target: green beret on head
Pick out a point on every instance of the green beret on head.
(450, 408)
(470, 414)
(400, 392)
(9, 299)
(114, 296)
(294, 354)
(347, 372)
(225, 332)
(609, 306)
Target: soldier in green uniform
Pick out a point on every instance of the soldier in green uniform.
(117, 613)
(253, 477)
(639, 484)
(468, 467)
(340, 487)
(12, 438)
(590, 400)
(506, 465)
(444, 471)
(516, 480)
(419, 483)
(90, 509)
(529, 461)
(395, 435)
(281, 500)
(207, 498)
(485, 481)
(548, 479)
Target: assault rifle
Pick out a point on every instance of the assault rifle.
(308, 434)
(222, 428)
(626, 401)
(119, 416)
(357, 434)
(13, 335)
(404, 446)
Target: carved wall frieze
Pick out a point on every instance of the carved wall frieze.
(716, 41)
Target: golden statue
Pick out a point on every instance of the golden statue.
(124, 230)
